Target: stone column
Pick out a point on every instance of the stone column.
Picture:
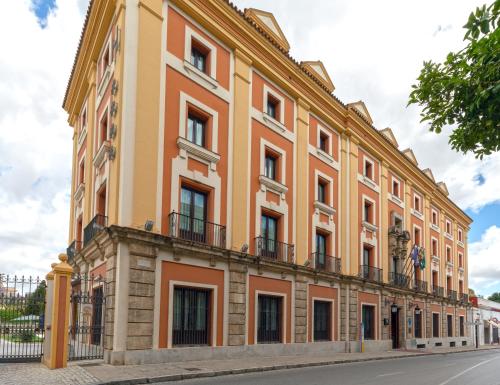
(353, 212)
(237, 303)
(353, 315)
(343, 210)
(428, 320)
(300, 309)
(384, 227)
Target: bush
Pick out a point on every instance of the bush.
(26, 336)
(7, 314)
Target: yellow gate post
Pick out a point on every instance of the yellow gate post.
(55, 353)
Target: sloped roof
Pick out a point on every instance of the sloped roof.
(360, 106)
(387, 132)
(429, 173)
(267, 21)
(410, 155)
(443, 187)
(318, 68)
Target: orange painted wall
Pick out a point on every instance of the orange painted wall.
(322, 292)
(193, 274)
(313, 136)
(270, 285)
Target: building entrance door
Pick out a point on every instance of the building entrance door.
(395, 327)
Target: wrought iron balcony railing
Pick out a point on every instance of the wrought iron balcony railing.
(72, 249)
(420, 285)
(438, 291)
(398, 279)
(370, 273)
(451, 295)
(324, 262)
(463, 298)
(196, 230)
(272, 249)
(94, 227)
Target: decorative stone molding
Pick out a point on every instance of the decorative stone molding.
(268, 183)
(200, 152)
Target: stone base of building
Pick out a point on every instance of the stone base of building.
(146, 273)
(436, 343)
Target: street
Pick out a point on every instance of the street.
(471, 368)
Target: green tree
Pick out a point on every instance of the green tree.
(495, 297)
(465, 89)
(35, 303)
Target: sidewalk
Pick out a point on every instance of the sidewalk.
(95, 372)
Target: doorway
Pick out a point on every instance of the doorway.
(395, 327)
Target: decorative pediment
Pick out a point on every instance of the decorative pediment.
(318, 69)
(361, 108)
(443, 188)
(410, 155)
(268, 23)
(387, 132)
(429, 173)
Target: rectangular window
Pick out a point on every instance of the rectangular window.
(193, 214)
(395, 188)
(101, 201)
(191, 316)
(448, 227)
(448, 254)
(273, 106)
(323, 142)
(368, 211)
(270, 166)
(434, 248)
(460, 235)
(416, 203)
(435, 325)
(322, 190)
(321, 242)
(322, 320)
(368, 169)
(460, 260)
(81, 172)
(269, 319)
(434, 218)
(418, 323)
(199, 55)
(368, 319)
(448, 284)
(416, 236)
(449, 321)
(103, 128)
(269, 233)
(462, 326)
(461, 287)
(196, 130)
(435, 279)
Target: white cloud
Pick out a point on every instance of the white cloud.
(484, 264)
(35, 139)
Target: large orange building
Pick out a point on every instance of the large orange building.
(231, 200)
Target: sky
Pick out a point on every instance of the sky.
(373, 52)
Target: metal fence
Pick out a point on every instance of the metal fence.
(22, 311)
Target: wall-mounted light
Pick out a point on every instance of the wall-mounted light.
(114, 87)
(394, 308)
(112, 131)
(417, 310)
(148, 226)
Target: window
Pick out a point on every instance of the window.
(199, 56)
(196, 130)
(79, 229)
(103, 128)
(434, 218)
(368, 169)
(418, 323)
(416, 236)
(461, 287)
(448, 227)
(322, 190)
(191, 316)
(435, 279)
(269, 319)
(269, 233)
(367, 255)
(460, 235)
(395, 188)
(101, 201)
(434, 247)
(81, 172)
(323, 142)
(448, 285)
(449, 319)
(462, 326)
(435, 325)
(270, 165)
(368, 211)
(193, 214)
(460, 260)
(84, 118)
(273, 107)
(397, 221)
(366, 269)
(322, 320)
(368, 319)
(448, 254)
(321, 245)
(416, 203)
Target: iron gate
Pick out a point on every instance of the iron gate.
(22, 312)
(86, 324)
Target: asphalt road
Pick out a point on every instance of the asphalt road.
(471, 368)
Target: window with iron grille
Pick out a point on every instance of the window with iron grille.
(269, 319)
(322, 320)
(418, 324)
(191, 324)
(435, 325)
(193, 214)
(368, 315)
(462, 326)
(449, 319)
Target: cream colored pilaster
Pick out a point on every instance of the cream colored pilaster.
(88, 201)
(442, 250)
(353, 207)
(302, 201)
(427, 242)
(74, 169)
(344, 204)
(408, 205)
(465, 236)
(241, 151)
(384, 228)
(454, 252)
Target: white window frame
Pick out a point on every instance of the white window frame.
(332, 318)
(372, 163)
(190, 34)
(435, 211)
(437, 247)
(106, 111)
(451, 254)
(256, 313)
(448, 222)
(282, 154)
(415, 227)
(394, 179)
(269, 91)
(373, 203)
(460, 257)
(419, 197)
(321, 130)
(460, 235)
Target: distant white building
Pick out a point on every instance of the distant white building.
(486, 317)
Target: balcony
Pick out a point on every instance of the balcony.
(275, 250)
(323, 262)
(420, 286)
(94, 227)
(451, 295)
(370, 273)
(437, 291)
(72, 249)
(196, 230)
(463, 298)
(398, 279)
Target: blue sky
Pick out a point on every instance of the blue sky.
(364, 56)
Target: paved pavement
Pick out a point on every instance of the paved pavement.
(471, 368)
(38, 374)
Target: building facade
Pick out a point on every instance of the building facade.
(486, 321)
(231, 200)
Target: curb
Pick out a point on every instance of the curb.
(227, 372)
